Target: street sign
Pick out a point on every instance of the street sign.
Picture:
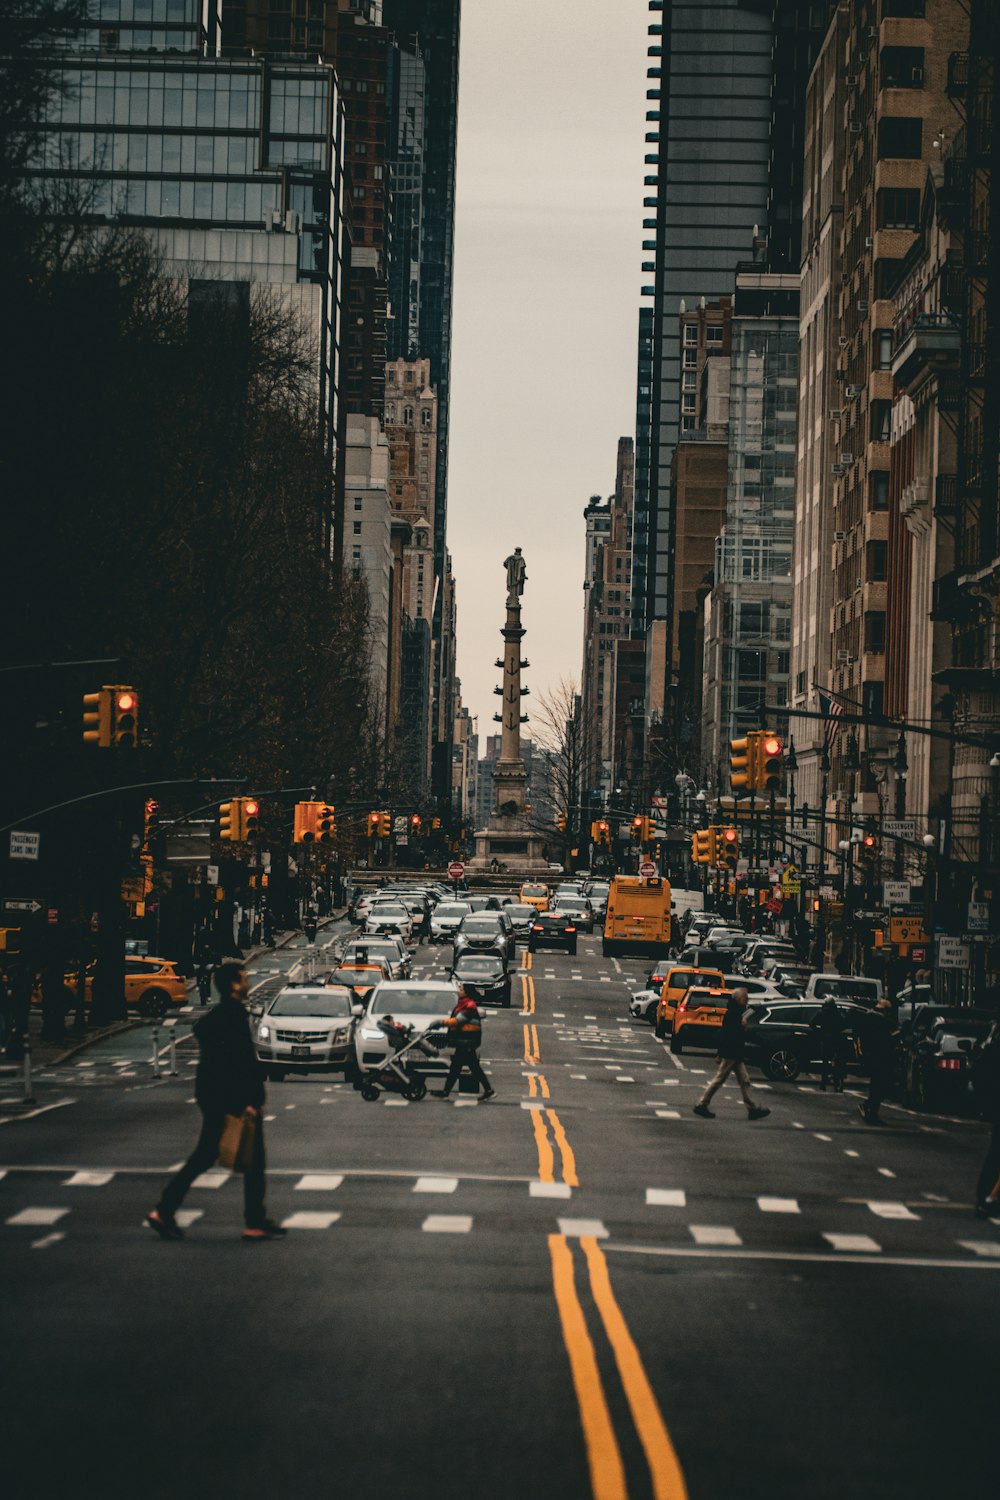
(918, 955)
(647, 869)
(401, 839)
(658, 801)
(979, 917)
(952, 953)
(212, 874)
(53, 915)
(456, 870)
(907, 930)
(774, 905)
(895, 892)
(16, 904)
(899, 828)
(24, 845)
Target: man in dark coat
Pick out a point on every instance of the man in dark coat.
(732, 1047)
(229, 1081)
(878, 1053)
(829, 1022)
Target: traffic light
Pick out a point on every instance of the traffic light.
(741, 763)
(10, 940)
(869, 843)
(326, 824)
(384, 825)
(562, 822)
(124, 717)
(304, 825)
(604, 832)
(729, 845)
(704, 848)
(415, 824)
(435, 824)
(373, 824)
(97, 718)
(768, 765)
(238, 819)
(150, 822)
(636, 830)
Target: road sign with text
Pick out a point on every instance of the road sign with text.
(907, 930)
(24, 845)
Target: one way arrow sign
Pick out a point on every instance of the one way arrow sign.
(14, 905)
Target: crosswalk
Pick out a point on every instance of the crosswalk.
(662, 1218)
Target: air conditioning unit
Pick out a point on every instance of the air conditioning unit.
(917, 76)
(276, 219)
(835, 413)
(852, 81)
(862, 304)
(293, 222)
(836, 468)
(855, 127)
(853, 392)
(840, 536)
(869, 241)
(844, 658)
(873, 33)
(847, 459)
(844, 341)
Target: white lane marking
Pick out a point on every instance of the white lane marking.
(85, 1065)
(576, 1229)
(188, 1216)
(38, 1216)
(853, 1242)
(466, 1103)
(289, 1106)
(668, 1114)
(550, 1190)
(797, 1125)
(395, 1103)
(435, 1184)
(269, 1117)
(807, 1257)
(605, 978)
(578, 1075)
(89, 1179)
(559, 1015)
(714, 1234)
(319, 1182)
(701, 1071)
(306, 1219)
(47, 1240)
(823, 1137)
(590, 1018)
(30, 1114)
(987, 1248)
(213, 1179)
(852, 1153)
(885, 1172)
(532, 1104)
(778, 1205)
(447, 1224)
(666, 1197)
(623, 1078)
(886, 1210)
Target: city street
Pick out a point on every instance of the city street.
(578, 1288)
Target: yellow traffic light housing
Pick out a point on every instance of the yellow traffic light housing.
(304, 822)
(705, 846)
(326, 824)
(561, 822)
(238, 819)
(768, 762)
(384, 825)
(635, 833)
(741, 763)
(729, 845)
(111, 717)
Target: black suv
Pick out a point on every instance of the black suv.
(781, 1039)
(483, 976)
(552, 929)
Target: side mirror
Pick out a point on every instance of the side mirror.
(357, 1011)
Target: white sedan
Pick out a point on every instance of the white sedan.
(413, 1002)
(389, 917)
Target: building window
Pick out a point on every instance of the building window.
(390, 411)
(900, 137)
(902, 67)
(688, 403)
(898, 208)
(753, 621)
(784, 661)
(875, 631)
(407, 416)
(357, 528)
(713, 335)
(903, 7)
(878, 490)
(883, 349)
(877, 558)
(751, 666)
(881, 423)
(358, 503)
(690, 333)
(425, 417)
(690, 359)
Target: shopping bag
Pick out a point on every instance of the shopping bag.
(236, 1142)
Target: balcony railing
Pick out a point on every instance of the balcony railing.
(930, 340)
(958, 74)
(946, 496)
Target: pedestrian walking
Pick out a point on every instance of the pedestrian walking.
(829, 1022)
(229, 1081)
(986, 1083)
(424, 929)
(878, 1053)
(732, 1047)
(466, 1026)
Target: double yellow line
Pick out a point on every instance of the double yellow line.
(531, 1052)
(527, 994)
(604, 1457)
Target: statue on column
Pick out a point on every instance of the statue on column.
(516, 575)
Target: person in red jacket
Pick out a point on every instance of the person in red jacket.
(466, 1026)
(229, 1081)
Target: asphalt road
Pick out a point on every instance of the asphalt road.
(576, 1289)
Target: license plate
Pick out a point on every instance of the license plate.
(300, 1051)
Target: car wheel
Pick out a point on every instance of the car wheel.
(660, 1028)
(783, 1065)
(369, 1092)
(506, 1000)
(154, 1004)
(572, 951)
(676, 1045)
(275, 1075)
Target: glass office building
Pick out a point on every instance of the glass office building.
(153, 128)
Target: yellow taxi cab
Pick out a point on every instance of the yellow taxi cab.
(360, 979)
(676, 983)
(698, 1017)
(534, 893)
(152, 985)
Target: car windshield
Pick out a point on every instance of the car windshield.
(384, 909)
(863, 989)
(574, 903)
(313, 1003)
(481, 924)
(479, 964)
(412, 1000)
(356, 977)
(361, 952)
(957, 1028)
(453, 909)
(534, 890)
(519, 913)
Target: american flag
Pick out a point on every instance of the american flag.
(831, 711)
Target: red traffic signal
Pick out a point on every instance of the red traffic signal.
(730, 835)
(250, 808)
(772, 745)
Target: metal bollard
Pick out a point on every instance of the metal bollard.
(27, 1096)
(156, 1049)
(173, 1054)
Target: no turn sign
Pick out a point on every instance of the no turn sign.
(647, 869)
(456, 869)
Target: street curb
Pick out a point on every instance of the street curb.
(88, 1041)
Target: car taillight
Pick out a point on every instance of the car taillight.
(952, 1064)
(538, 927)
(569, 929)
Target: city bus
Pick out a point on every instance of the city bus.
(638, 919)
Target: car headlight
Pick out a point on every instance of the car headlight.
(340, 1036)
(371, 1036)
(264, 1032)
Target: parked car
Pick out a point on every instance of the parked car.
(152, 985)
(446, 918)
(307, 1029)
(937, 1057)
(485, 932)
(483, 976)
(781, 1040)
(552, 929)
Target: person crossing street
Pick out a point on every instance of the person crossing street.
(466, 1025)
(229, 1081)
(732, 1048)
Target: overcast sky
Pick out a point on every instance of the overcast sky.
(547, 276)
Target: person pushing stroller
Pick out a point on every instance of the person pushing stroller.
(466, 1027)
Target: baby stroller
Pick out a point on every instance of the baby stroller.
(397, 1074)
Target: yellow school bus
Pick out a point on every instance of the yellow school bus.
(638, 919)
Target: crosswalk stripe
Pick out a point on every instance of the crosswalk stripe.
(319, 1182)
(988, 1249)
(213, 1179)
(435, 1184)
(89, 1179)
(447, 1224)
(778, 1205)
(714, 1234)
(550, 1190)
(666, 1197)
(855, 1242)
(886, 1210)
(188, 1216)
(576, 1229)
(37, 1217)
(307, 1219)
